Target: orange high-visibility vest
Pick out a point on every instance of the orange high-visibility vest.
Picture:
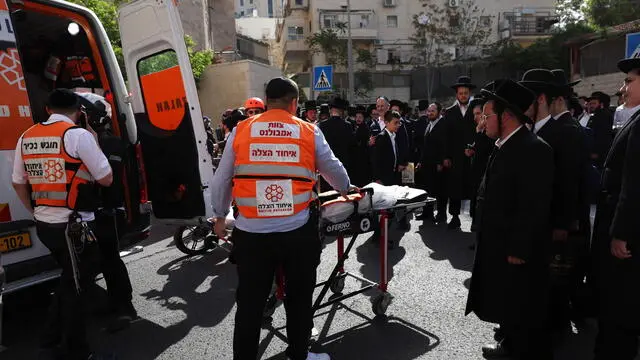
(53, 174)
(274, 170)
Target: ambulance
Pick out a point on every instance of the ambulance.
(45, 44)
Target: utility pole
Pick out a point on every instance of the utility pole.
(349, 54)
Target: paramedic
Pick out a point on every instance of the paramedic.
(253, 106)
(54, 163)
(269, 170)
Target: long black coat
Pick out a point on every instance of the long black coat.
(385, 163)
(461, 133)
(418, 132)
(434, 152)
(513, 220)
(361, 164)
(567, 141)
(617, 217)
(601, 123)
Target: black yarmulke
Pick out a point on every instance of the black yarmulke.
(280, 87)
(62, 99)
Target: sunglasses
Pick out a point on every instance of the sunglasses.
(254, 111)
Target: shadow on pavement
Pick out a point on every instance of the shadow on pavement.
(449, 245)
(380, 338)
(192, 287)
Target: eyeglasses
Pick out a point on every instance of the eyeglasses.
(254, 111)
(485, 117)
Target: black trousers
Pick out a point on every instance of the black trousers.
(616, 342)
(115, 273)
(258, 256)
(527, 342)
(65, 325)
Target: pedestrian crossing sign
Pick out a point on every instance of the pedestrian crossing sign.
(322, 78)
(633, 46)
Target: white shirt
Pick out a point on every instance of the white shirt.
(393, 144)
(623, 114)
(381, 124)
(539, 124)
(433, 124)
(584, 119)
(501, 142)
(78, 143)
(464, 108)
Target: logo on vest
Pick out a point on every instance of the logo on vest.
(45, 171)
(274, 198)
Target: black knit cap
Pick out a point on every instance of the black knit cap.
(63, 99)
(280, 87)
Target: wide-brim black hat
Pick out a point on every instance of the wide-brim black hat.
(477, 101)
(361, 110)
(310, 105)
(423, 105)
(562, 79)
(540, 81)
(512, 95)
(338, 103)
(397, 103)
(626, 65)
(599, 95)
(463, 81)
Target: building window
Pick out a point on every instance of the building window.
(454, 21)
(330, 21)
(242, 13)
(364, 21)
(270, 8)
(392, 21)
(299, 2)
(250, 1)
(295, 33)
(485, 21)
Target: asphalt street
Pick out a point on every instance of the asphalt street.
(187, 308)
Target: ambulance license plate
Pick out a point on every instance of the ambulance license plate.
(15, 242)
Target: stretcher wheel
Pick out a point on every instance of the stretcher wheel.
(380, 303)
(337, 285)
(192, 240)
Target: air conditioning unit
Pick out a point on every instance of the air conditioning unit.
(454, 3)
(389, 3)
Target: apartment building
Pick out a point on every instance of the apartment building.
(384, 28)
(259, 8)
(209, 22)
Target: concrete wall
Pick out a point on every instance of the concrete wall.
(609, 84)
(223, 25)
(228, 85)
(210, 23)
(257, 28)
(194, 16)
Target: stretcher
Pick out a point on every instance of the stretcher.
(357, 223)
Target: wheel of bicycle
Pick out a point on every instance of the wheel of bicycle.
(191, 240)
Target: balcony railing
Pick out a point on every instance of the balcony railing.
(364, 23)
(529, 21)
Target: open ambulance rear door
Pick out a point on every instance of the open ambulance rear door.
(165, 102)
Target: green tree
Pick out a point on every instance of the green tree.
(605, 13)
(443, 33)
(107, 13)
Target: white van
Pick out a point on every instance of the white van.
(46, 44)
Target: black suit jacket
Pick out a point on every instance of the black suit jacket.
(601, 124)
(434, 152)
(419, 128)
(339, 135)
(385, 164)
(513, 220)
(617, 217)
(567, 141)
(462, 131)
(361, 159)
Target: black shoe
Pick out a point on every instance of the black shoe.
(454, 224)
(122, 319)
(495, 351)
(499, 334)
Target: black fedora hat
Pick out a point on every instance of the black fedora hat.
(561, 78)
(423, 105)
(626, 65)
(397, 103)
(514, 96)
(463, 81)
(338, 103)
(310, 105)
(540, 81)
(599, 95)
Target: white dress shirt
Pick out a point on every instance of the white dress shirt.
(392, 136)
(539, 124)
(584, 119)
(381, 124)
(79, 143)
(623, 114)
(432, 124)
(501, 142)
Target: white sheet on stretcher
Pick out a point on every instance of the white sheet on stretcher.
(386, 197)
(340, 211)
